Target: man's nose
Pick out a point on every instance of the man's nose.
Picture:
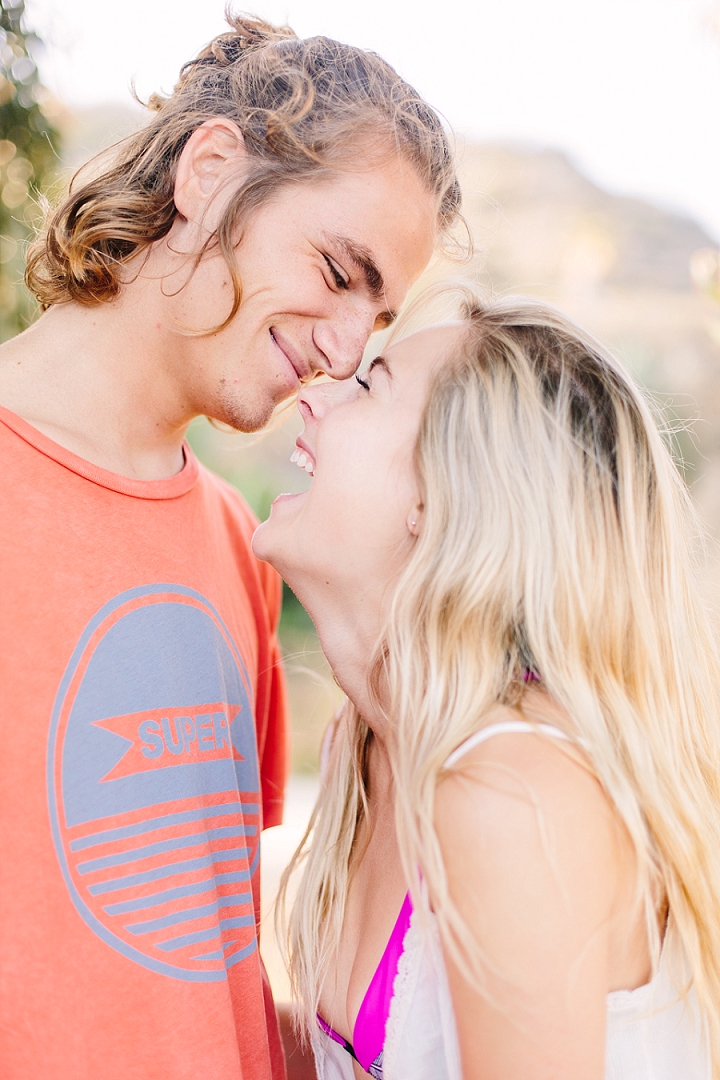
(342, 341)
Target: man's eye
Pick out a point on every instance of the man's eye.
(365, 385)
(340, 281)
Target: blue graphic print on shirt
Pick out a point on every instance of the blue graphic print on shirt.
(153, 784)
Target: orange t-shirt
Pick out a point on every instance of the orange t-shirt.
(144, 746)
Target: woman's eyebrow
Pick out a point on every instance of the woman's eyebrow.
(379, 361)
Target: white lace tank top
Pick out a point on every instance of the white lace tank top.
(652, 1033)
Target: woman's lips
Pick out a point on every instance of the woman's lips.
(303, 457)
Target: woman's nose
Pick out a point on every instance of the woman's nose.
(316, 400)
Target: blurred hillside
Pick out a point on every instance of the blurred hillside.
(620, 266)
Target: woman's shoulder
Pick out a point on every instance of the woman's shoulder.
(525, 783)
(547, 734)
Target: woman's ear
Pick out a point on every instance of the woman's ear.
(414, 520)
(214, 154)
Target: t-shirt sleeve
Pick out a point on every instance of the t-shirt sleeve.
(275, 751)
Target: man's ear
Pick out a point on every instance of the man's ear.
(214, 154)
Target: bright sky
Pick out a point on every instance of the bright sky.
(629, 88)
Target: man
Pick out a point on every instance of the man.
(274, 211)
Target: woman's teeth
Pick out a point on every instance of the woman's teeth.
(302, 461)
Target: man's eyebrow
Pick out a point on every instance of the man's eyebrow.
(363, 261)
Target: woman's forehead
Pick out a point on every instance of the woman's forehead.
(428, 347)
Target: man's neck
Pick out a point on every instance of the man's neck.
(98, 381)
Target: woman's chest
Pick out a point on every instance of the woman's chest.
(419, 1041)
(375, 896)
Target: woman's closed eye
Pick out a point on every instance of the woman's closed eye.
(365, 385)
(340, 281)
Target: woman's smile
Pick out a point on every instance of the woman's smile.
(351, 525)
(303, 458)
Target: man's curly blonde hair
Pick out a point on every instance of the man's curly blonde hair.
(304, 107)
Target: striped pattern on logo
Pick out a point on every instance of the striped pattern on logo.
(174, 880)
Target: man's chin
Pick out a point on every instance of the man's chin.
(237, 417)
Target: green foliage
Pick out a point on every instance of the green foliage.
(259, 466)
(28, 161)
(295, 622)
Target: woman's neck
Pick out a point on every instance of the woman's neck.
(348, 627)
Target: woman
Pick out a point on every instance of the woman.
(495, 549)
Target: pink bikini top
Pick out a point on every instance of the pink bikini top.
(371, 1021)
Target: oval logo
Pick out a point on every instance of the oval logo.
(153, 784)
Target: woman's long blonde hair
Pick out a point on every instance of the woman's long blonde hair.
(557, 537)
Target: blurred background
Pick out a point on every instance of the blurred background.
(590, 161)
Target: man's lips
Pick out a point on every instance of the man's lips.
(297, 362)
